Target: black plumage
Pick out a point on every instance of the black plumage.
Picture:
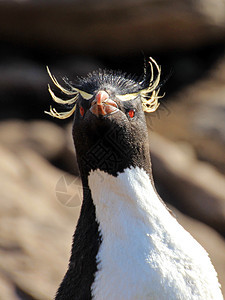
(111, 143)
(121, 83)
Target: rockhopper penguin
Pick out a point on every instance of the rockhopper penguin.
(127, 245)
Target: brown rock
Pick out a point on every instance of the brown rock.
(33, 220)
(194, 187)
(44, 137)
(197, 117)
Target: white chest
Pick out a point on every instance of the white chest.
(145, 253)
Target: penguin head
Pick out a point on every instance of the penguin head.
(109, 128)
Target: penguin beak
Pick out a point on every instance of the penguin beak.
(102, 105)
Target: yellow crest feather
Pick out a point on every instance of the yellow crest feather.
(149, 96)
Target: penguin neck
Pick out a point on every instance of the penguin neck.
(112, 151)
(88, 234)
(113, 189)
(115, 164)
(131, 221)
(125, 200)
(142, 242)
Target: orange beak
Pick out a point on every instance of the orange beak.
(102, 105)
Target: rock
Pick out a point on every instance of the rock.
(196, 116)
(194, 187)
(36, 227)
(44, 137)
(7, 288)
(113, 27)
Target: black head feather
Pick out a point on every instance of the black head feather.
(121, 82)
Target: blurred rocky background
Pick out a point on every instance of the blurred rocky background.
(40, 191)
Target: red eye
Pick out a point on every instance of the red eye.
(131, 113)
(81, 111)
